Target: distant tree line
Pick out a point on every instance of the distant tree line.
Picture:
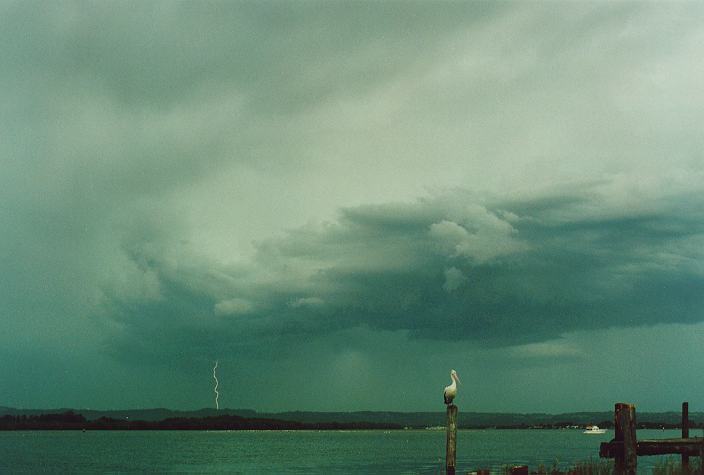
(72, 421)
(66, 420)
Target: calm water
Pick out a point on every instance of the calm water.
(355, 452)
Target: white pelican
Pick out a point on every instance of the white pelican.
(451, 390)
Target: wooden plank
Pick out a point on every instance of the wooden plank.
(691, 447)
(609, 449)
(675, 446)
(451, 449)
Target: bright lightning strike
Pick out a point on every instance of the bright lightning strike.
(217, 406)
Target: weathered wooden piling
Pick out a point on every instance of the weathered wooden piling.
(620, 447)
(451, 452)
(685, 433)
(625, 431)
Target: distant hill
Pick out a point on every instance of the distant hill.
(403, 419)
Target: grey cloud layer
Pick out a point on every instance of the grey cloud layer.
(495, 272)
(145, 145)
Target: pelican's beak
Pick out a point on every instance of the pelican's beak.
(458, 378)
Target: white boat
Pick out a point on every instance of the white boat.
(594, 430)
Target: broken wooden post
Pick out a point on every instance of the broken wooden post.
(625, 432)
(451, 453)
(685, 433)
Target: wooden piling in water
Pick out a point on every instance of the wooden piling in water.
(624, 447)
(685, 432)
(625, 431)
(451, 452)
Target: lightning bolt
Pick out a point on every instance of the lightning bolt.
(217, 406)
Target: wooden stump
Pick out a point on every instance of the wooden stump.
(625, 431)
(685, 433)
(451, 453)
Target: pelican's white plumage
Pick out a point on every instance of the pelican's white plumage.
(451, 390)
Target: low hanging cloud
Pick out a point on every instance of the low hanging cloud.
(454, 278)
(478, 234)
(454, 266)
(233, 307)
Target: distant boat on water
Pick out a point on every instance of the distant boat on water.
(594, 430)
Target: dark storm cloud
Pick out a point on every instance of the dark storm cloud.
(145, 145)
(494, 272)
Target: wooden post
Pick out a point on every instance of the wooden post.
(685, 432)
(451, 453)
(625, 431)
(618, 437)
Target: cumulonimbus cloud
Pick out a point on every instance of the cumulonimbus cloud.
(497, 272)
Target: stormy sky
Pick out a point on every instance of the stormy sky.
(341, 201)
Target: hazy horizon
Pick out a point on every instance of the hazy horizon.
(340, 202)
